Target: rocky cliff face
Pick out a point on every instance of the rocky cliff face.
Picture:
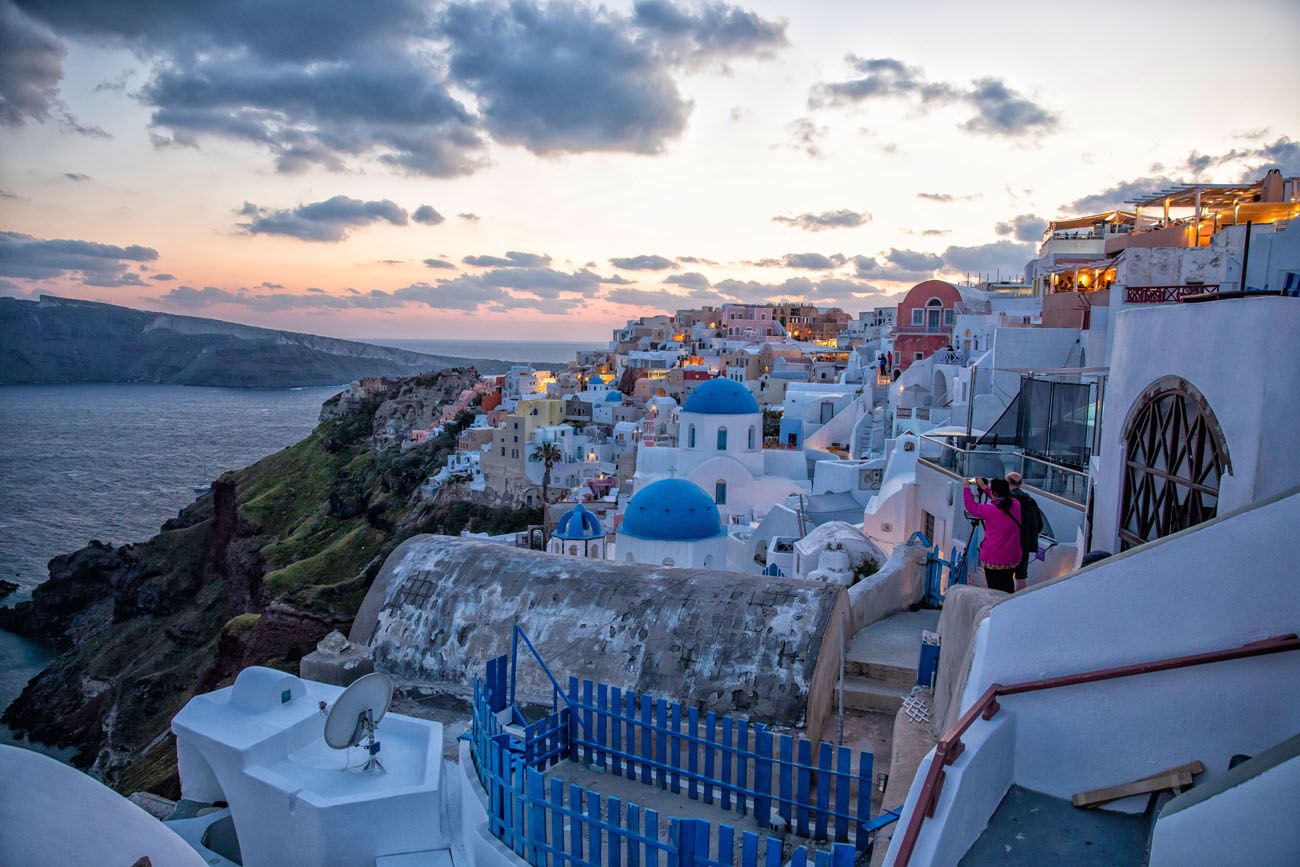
(254, 572)
(60, 340)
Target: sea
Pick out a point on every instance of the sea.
(113, 462)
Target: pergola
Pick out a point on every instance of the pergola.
(1225, 204)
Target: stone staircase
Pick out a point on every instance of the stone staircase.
(880, 663)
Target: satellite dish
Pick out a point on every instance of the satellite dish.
(356, 714)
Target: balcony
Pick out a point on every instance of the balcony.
(1167, 294)
(1065, 484)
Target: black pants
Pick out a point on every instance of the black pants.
(1021, 572)
(1000, 579)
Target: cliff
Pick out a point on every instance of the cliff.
(254, 572)
(57, 340)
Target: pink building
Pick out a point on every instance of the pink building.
(925, 320)
(749, 320)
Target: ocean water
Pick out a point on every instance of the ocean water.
(112, 462)
(558, 351)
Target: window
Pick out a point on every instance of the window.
(690, 437)
(720, 492)
(749, 440)
(1175, 457)
(949, 317)
(827, 410)
(917, 356)
(918, 316)
(927, 526)
(722, 439)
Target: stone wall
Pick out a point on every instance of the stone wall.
(762, 648)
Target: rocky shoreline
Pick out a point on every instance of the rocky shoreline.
(255, 571)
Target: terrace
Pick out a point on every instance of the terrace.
(1203, 209)
(612, 777)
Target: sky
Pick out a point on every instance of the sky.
(532, 170)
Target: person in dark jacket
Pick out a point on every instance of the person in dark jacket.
(1031, 525)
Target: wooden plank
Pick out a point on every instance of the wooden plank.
(864, 799)
(1179, 777)
(726, 844)
(629, 731)
(574, 719)
(614, 817)
(824, 753)
(676, 777)
(556, 804)
(842, 855)
(616, 732)
(588, 730)
(633, 825)
(710, 738)
(575, 823)
(742, 765)
(748, 849)
(763, 777)
(602, 719)
(652, 833)
(536, 787)
(803, 794)
(726, 763)
(517, 809)
(822, 859)
(647, 750)
(692, 755)
(661, 742)
(843, 782)
(593, 827)
(799, 857)
(784, 771)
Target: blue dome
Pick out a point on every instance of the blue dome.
(614, 397)
(721, 397)
(672, 510)
(579, 524)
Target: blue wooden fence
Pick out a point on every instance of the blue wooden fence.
(785, 783)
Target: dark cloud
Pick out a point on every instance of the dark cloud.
(1114, 197)
(935, 233)
(31, 65)
(643, 263)
(658, 299)
(1025, 227)
(813, 261)
(695, 260)
(162, 277)
(9, 194)
(998, 109)
(1006, 257)
(330, 220)
(427, 215)
(76, 177)
(1282, 154)
(948, 197)
(689, 280)
(438, 263)
(841, 219)
(512, 259)
(469, 217)
(897, 265)
(116, 84)
(708, 32)
(28, 258)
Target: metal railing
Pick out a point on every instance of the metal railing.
(1166, 294)
(1062, 482)
(950, 746)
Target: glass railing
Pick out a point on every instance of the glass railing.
(1065, 483)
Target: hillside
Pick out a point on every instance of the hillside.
(254, 572)
(57, 340)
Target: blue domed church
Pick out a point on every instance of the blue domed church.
(578, 534)
(673, 522)
(720, 452)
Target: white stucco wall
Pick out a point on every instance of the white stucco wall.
(1237, 354)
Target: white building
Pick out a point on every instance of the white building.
(672, 522)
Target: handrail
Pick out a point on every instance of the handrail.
(986, 706)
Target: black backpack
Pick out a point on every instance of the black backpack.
(1031, 521)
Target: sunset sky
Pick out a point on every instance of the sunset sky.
(527, 170)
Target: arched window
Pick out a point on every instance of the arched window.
(749, 440)
(690, 437)
(573, 550)
(933, 314)
(1174, 459)
(720, 492)
(722, 439)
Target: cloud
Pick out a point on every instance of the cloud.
(898, 266)
(688, 280)
(28, 258)
(658, 299)
(31, 65)
(427, 215)
(840, 219)
(712, 31)
(643, 263)
(946, 198)
(76, 177)
(9, 194)
(935, 233)
(1282, 154)
(330, 220)
(806, 136)
(813, 261)
(1006, 257)
(998, 109)
(512, 259)
(469, 217)
(1026, 227)
(162, 277)
(695, 260)
(438, 263)
(1114, 196)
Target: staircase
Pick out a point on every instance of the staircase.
(880, 662)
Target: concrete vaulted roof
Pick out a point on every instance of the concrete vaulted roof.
(745, 644)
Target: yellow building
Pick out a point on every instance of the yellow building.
(541, 412)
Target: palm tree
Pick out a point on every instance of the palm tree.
(550, 455)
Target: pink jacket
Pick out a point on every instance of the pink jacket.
(1001, 545)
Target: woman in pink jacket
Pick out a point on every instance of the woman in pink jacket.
(1000, 551)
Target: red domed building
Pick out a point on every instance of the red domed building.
(925, 322)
